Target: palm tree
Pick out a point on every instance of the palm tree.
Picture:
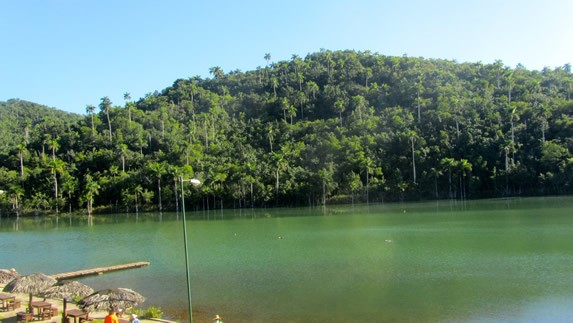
(449, 163)
(281, 164)
(127, 97)
(137, 191)
(413, 136)
(157, 169)
(465, 168)
(267, 57)
(216, 71)
(122, 154)
(175, 172)
(90, 109)
(436, 173)
(16, 193)
(339, 107)
(56, 167)
(105, 106)
(21, 151)
(54, 145)
(270, 134)
(91, 190)
(367, 164)
(69, 185)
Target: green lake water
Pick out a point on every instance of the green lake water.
(490, 260)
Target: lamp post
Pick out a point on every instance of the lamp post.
(194, 182)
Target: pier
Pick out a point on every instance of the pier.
(99, 271)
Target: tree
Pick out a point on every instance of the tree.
(216, 71)
(122, 153)
(448, 164)
(339, 106)
(56, 167)
(21, 152)
(69, 185)
(268, 58)
(413, 136)
(328, 183)
(128, 105)
(91, 190)
(465, 168)
(270, 134)
(105, 106)
(312, 88)
(157, 169)
(137, 191)
(90, 109)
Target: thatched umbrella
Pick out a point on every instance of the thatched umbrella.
(111, 298)
(31, 284)
(7, 275)
(67, 289)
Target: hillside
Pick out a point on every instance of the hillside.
(18, 118)
(332, 127)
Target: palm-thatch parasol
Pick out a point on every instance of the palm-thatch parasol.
(7, 275)
(67, 289)
(111, 298)
(32, 284)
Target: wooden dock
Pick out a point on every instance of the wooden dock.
(99, 271)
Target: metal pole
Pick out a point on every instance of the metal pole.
(186, 253)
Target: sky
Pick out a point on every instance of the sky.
(67, 54)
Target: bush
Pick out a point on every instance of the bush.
(149, 313)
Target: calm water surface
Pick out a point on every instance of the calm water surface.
(492, 260)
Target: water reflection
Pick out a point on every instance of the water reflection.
(434, 261)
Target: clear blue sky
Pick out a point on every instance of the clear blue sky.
(70, 53)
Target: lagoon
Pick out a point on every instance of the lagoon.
(487, 260)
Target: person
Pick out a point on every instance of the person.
(111, 317)
(134, 319)
(217, 319)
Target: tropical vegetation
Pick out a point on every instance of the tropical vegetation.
(332, 127)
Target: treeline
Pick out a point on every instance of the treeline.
(333, 127)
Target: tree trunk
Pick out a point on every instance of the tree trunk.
(159, 193)
(413, 159)
(176, 197)
(109, 126)
(21, 164)
(56, 191)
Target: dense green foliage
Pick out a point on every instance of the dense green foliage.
(333, 127)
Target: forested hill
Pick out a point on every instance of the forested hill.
(19, 117)
(334, 126)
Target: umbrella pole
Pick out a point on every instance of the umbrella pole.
(64, 311)
(30, 309)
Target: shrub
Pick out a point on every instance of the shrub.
(149, 313)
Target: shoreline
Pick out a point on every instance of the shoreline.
(10, 316)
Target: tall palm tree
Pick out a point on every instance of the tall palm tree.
(128, 105)
(122, 154)
(157, 169)
(90, 109)
(105, 106)
(137, 191)
(216, 71)
(56, 167)
(21, 152)
(449, 163)
(91, 190)
(267, 57)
